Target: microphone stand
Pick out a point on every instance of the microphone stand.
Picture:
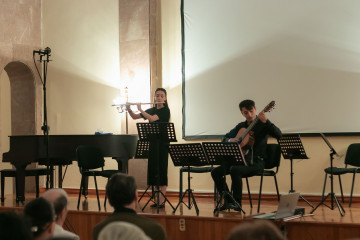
(45, 128)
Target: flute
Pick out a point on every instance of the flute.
(129, 104)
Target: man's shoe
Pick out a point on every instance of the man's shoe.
(237, 207)
(225, 206)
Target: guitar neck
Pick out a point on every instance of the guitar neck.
(251, 126)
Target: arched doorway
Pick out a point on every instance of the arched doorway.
(23, 108)
(5, 113)
(18, 109)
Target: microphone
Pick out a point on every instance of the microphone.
(46, 51)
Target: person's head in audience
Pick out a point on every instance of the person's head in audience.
(121, 191)
(61, 238)
(59, 198)
(41, 214)
(256, 230)
(122, 231)
(14, 227)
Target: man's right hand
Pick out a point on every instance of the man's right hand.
(233, 139)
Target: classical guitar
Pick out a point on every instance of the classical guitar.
(246, 136)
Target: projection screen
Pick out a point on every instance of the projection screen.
(305, 55)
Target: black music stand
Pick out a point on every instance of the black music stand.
(292, 148)
(188, 155)
(219, 153)
(142, 151)
(156, 134)
(331, 194)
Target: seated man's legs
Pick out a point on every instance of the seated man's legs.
(218, 174)
(237, 173)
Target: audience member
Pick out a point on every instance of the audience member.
(60, 238)
(122, 231)
(14, 227)
(257, 230)
(41, 214)
(59, 198)
(122, 195)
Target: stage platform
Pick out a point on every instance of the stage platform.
(185, 224)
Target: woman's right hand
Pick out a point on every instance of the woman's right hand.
(139, 107)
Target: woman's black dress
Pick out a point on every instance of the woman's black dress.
(158, 152)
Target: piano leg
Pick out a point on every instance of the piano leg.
(60, 175)
(51, 176)
(122, 164)
(20, 183)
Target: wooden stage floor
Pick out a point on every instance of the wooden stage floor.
(185, 224)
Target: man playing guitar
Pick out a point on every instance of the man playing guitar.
(252, 136)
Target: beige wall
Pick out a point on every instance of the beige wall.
(83, 77)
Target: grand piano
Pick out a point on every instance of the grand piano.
(32, 148)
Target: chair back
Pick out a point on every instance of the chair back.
(353, 155)
(273, 153)
(89, 157)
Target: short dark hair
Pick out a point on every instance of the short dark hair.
(248, 104)
(259, 229)
(121, 190)
(13, 226)
(41, 213)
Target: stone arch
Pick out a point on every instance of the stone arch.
(23, 98)
(23, 105)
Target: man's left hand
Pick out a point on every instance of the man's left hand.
(262, 116)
